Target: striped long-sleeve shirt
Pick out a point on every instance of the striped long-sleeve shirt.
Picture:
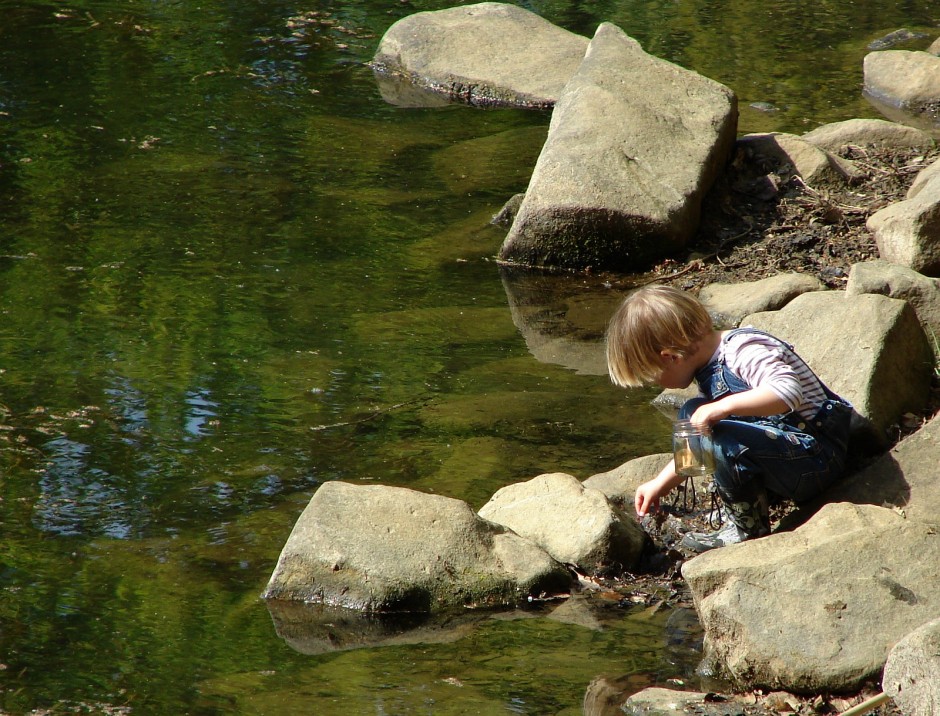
(761, 360)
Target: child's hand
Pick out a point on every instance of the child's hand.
(647, 499)
(708, 414)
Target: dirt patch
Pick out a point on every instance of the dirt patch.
(761, 219)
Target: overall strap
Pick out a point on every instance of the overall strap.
(830, 394)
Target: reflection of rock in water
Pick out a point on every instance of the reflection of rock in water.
(926, 121)
(683, 636)
(563, 318)
(606, 696)
(682, 654)
(401, 92)
(315, 628)
(683, 650)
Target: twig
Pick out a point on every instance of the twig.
(866, 706)
(371, 416)
(698, 263)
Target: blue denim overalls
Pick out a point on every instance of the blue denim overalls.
(784, 454)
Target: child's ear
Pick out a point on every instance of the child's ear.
(669, 355)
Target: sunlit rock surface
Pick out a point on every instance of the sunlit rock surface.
(379, 549)
(574, 524)
(633, 145)
(817, 609)
(484, 54)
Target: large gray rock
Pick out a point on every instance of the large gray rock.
(869, 349)
(377, 548)
(912, 673)
(868, 132)
(817, 609)
(633, 145)
(574, 524)
(887, 279)
(923, 178)
(908, 232)
(904, 79)
(728, 303)
(484, 54)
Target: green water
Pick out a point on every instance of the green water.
(229, 272)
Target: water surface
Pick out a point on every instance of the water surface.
(229, 272)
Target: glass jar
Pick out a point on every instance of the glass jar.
(692, 449)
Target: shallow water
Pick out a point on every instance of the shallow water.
(230, 272)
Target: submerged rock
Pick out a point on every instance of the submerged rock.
(895, 38)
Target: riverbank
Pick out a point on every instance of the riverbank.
(757, 225)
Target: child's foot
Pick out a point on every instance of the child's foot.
(729, 533)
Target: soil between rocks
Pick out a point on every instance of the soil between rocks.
(758, 221)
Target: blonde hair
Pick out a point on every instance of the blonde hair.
(650, 320)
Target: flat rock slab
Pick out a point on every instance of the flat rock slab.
(484, 54)
(868, 132)
(728, 303)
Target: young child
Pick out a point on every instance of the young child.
(775, 427)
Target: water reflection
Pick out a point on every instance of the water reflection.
(316, 628)
(562, 319)
(638, 634)
(77, 498)
(208, 215)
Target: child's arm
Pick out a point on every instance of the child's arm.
(758, 401)
(649, 493)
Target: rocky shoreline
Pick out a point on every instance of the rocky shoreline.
(829, 240)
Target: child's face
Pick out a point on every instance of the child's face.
(678, 370)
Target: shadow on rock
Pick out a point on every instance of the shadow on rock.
(882, 484)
